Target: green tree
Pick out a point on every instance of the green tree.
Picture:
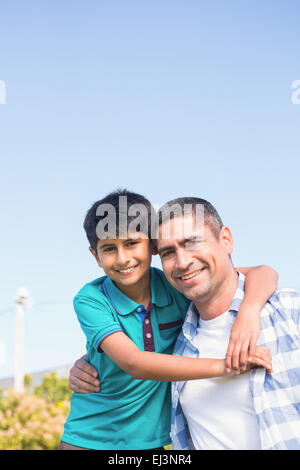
(53, 389)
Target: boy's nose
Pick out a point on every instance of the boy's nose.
(123, 257)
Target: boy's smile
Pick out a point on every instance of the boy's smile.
(125, 261)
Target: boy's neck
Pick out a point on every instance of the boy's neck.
(139, 292)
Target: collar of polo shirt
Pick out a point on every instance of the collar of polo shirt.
(124, 305)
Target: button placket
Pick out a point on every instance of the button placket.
(148, 332)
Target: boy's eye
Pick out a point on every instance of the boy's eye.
(132, 243)
(108, 249)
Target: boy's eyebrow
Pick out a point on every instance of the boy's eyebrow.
(105, 245)
(131, 239)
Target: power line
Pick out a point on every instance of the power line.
(40, 303)
(4, 312)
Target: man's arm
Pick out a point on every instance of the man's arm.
(260, 284)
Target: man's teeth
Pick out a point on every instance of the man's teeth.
(191, 275)
(126, 270)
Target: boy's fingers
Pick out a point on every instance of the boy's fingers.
(262, 363)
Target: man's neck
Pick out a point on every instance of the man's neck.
(219, 302)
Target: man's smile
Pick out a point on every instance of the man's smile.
(188, 277)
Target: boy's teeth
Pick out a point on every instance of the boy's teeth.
(190, 276)
(126, 270)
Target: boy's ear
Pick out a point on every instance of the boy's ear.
(95, 256)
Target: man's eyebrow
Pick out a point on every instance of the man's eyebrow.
(193, 238)
(165, 248)
(182, 242)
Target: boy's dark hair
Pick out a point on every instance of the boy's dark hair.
(211, 216)
(112, 199)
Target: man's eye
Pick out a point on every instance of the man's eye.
(165, 254)
(192, 244)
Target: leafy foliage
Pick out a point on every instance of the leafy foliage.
(34, 420)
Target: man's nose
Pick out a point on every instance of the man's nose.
(183, 260)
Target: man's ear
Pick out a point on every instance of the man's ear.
(225, 237)
(95, 256)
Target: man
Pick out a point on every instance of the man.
(254, 410)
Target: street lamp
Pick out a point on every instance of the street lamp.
(23, 298)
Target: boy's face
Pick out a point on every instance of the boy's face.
(125, 261)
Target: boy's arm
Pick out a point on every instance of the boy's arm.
(153, 366)
(260, 284)
(147, 365)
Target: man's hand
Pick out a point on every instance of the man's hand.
(243, 338)
(83, 377)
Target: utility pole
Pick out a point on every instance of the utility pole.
(22, 299)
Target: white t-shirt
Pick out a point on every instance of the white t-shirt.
(219, 411)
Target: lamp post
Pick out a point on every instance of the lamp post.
(23, 298)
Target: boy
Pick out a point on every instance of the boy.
(131, 318)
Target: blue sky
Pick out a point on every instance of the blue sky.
(165, 98)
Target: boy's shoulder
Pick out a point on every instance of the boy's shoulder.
(92, 290)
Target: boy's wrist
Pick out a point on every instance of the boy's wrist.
(250, 305)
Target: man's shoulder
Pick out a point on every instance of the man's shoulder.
(285, 298)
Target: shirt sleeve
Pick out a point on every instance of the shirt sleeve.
(96, 319)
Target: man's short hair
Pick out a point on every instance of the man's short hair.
(124, 205)
(188, 205)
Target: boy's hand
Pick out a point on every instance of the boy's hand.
(262, 358)
(82, 378)
(243, 338)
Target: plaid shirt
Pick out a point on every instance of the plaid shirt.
(276, 397)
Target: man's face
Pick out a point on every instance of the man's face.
(125, 261)
(194, 260)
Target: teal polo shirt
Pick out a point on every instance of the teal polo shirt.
(127, 414)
